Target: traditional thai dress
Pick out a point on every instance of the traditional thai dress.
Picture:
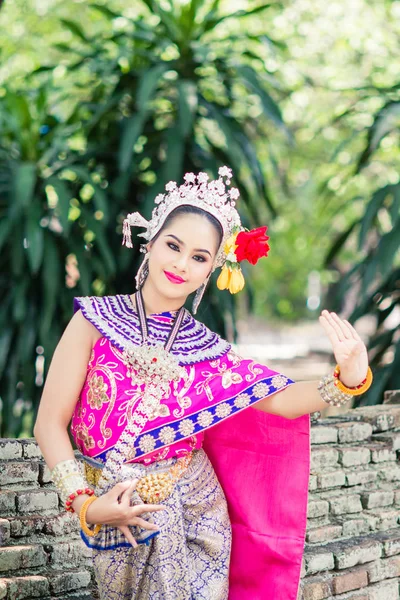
(234, 524)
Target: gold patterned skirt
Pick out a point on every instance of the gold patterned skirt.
(188, 559)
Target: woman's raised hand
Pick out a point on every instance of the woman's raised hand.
(348, 348)
(114, 508)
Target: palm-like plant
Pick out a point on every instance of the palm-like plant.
(377, 274)
(170, 92)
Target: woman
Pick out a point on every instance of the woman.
(186, 490)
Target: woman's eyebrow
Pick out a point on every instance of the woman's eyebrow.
(183, 243)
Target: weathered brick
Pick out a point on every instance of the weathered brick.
(61, 582)
(349, 553)
(390, 543)
(322, 458)
(316, 588)
(380, 417)
(385, 590)
(386, 568)
(7, 502)
(3, 588)
(352, 456)
(350, 503)
(331, 479)
(357, 476)
(34, 501)
(317, 508)
(317, 560)
(4, 532)
(377, 498)
(353, 579)
(44, 474)
(353, 432)
(30, 449)
(381, 452)
(68, 554)
(384, 519)
(392, 439)
(389, 473)
(312, 483)
(31, 586)
(355, 527)
(61, 524)
(13, 558)
(326, 533)
(18, 472)
(10, 449)
(323, 434)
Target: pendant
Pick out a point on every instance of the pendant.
(154, 368)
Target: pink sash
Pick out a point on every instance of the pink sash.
(263, 464)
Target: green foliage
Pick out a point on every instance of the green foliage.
(163, 94)
(376, 275)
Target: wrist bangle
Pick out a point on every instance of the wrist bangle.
(73, 495)
(82, 518)
(68, 476)
(358, 389)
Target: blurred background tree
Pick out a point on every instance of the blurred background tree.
(102, 103)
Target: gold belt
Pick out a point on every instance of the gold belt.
(154, 487)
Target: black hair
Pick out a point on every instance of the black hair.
(187, 209)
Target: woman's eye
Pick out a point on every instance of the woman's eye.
(172, 246)
(202, 259)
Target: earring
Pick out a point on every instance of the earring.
(199, 295)
(142, 273)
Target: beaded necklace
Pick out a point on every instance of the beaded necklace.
(152, 368)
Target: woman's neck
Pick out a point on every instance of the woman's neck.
(155, 303)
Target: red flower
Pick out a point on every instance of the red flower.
(252, 245)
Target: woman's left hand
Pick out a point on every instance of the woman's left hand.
(348, 348)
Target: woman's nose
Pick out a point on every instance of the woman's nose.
(181, 262)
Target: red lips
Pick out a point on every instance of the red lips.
(174, 278)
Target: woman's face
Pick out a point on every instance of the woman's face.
(182, 256)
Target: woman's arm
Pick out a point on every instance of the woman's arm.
(64, 381)
(294, 401)
(303, 397)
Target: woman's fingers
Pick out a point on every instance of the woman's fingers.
(342, 326)
(144, 524)
(353, 332)
(127, 533)
(330, 328)
(127, 493)
(143, 508)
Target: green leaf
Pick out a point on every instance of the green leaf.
(132, 129)
(107, 12)
(64, 198)
(211, 22)
(388, 248)
(100, 240)
(386, 121)
(51, 285)
(24, 182)
(338, 244)
(272, 110)
(373, 207)
(76, 29)
(34, 238)
(187, 106)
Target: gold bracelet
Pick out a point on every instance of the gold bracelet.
(82, 518)
(357, 390)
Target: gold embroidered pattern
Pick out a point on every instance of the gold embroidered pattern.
(97, 394)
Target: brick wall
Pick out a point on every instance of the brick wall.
(353, 535)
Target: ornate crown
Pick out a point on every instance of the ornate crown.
(236, 244)
(213, 197)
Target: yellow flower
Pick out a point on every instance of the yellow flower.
(230, 245)
(236, 282)
(224, 278)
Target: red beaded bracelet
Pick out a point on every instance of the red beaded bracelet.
(71, 497)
